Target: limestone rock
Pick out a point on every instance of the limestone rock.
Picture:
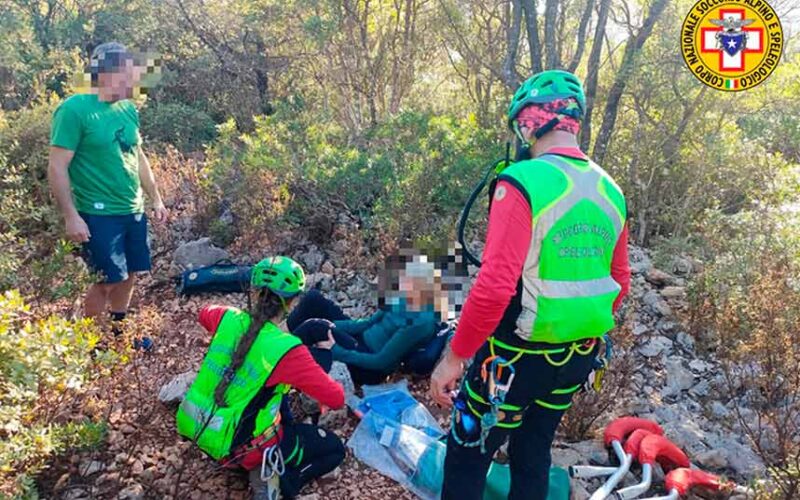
(686, 341)
(132, 492)
(89, 467)
(673, 292)
(659, 277)
(682, 266)
(312, 259)
(656, 304)
(592, 451)
(341, 374)
(699, 366)
(719, 410)
(195, 254)
(679, 378)
(712, 459)
(175, 389)
(566, 457)
(656, 346)
(701, 390)
(640, 262)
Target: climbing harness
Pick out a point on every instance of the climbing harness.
(497, 374)
(492, 377)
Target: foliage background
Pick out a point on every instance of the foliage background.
(283, 116)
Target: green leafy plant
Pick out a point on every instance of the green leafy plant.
(44, 362)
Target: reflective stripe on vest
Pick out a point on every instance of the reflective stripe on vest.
(201, 416)
(583, 183)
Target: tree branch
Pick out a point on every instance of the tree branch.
(582, 33)
(550, 18)
(510, 76)
(532, 28)
(593, 71)
(632, 49)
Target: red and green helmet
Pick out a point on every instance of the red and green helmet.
(280, 275)
(548, 86)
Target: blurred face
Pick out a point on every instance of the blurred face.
(418, 291)
(119, 81)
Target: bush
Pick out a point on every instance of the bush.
(184, 127)
(43, 364)
(32, 257)
(746, 306)
(406, 178)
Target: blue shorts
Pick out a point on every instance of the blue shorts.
(119, 245)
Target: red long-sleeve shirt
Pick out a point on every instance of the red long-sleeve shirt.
(507, 243)
(297, 368)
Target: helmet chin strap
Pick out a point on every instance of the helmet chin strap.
(523, 145)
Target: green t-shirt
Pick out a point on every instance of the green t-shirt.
(104, 173)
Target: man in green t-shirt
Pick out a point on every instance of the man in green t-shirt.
(98, 171)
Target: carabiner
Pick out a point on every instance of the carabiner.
(273, 457)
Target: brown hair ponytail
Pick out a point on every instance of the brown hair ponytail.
(268, 306)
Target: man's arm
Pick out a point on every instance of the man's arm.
(621, 268)
(298, 369)
(58, 177)
(150, 188)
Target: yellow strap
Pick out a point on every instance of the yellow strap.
(568, 390)
(479, 399)
(563, 361)
(503, 345)
(550, 406)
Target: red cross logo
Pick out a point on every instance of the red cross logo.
(727, 62)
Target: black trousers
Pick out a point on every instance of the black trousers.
(309, 452)
(529, 444)
(310, 321)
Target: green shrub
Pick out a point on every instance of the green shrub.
(182, 126)
(406, 178)
(42, 363)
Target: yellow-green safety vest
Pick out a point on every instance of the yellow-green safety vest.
(578, 213)
(251, 408)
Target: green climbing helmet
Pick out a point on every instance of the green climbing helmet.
(545, 87)
(281, 275)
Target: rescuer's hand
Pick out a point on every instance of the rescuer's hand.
(445, 378)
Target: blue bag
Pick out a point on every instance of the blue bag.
(221, 277)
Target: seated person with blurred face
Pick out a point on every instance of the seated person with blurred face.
(411, 306)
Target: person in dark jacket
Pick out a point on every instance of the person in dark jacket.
(374, 347)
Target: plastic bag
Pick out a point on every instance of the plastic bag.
(408, 455)
(401, 439)
(395, 402)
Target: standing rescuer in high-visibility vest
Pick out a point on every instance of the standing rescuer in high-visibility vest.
(232, 411)
(555, 268)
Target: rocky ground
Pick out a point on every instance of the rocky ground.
(672, 382)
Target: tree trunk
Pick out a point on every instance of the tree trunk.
(632, 49)
(261, 69)
(582, 32)
(512, 39)
(550, 47)
(532, 28)
(593, 72)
